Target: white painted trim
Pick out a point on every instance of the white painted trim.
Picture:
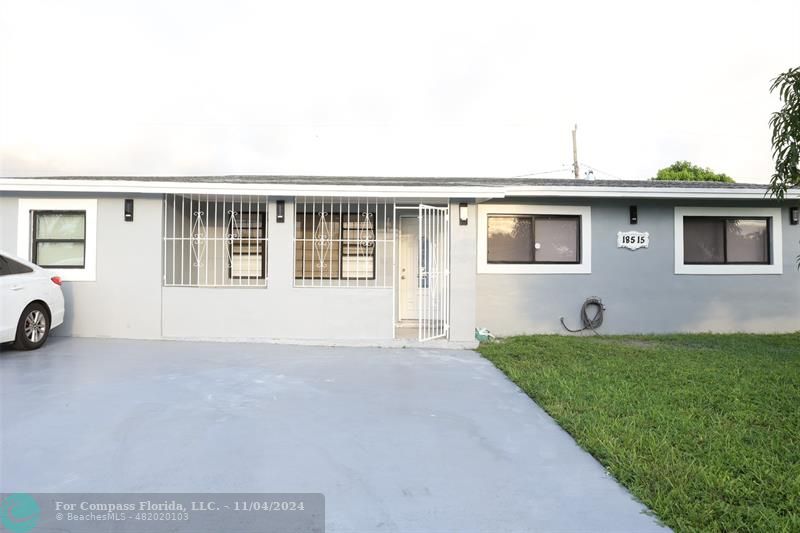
(585, 212)
(270, 189)
(776, 244)
(26, 205)
(640, 192)
(482, 191)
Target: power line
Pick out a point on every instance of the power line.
(569, 168)
(601, 171)
(562, 169)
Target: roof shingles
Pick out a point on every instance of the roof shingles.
(415, 181)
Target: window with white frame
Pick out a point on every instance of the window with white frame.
(59, 234)
(727, 240)
(215, 241)
(343, 242)
(59, 239)
(528, 239)
(534, 239)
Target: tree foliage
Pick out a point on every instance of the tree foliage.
(785, 126)
(686, 171)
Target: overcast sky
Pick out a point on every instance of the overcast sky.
(389, 88)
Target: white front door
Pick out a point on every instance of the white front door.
(409, 268)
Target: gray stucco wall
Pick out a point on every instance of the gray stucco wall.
(463, 288)
(280, 311)
(125, 299)
(8, 223)
(640, 289)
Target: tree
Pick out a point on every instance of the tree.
(686, 171)
(785, 126)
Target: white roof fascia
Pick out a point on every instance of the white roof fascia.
(394, 191)
(642, 192)
(271, 189)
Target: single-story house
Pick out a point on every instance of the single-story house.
(395, 260)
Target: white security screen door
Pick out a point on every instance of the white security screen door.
(433, 298)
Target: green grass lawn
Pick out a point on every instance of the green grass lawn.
(703, 429)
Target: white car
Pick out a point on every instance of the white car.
(31, 302)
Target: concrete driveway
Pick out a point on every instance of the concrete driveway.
(396, 439)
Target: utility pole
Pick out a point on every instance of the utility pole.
(575, 168)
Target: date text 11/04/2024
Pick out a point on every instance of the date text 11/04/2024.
(237, 505)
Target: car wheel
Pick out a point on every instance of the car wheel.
(33, 327)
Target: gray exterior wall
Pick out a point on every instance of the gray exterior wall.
(639, 288)
(463, 288)
(8, 223)
(125, 299)
(280, 311)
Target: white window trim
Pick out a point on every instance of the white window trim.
(584, 267)
(776, 243)
(26, 205)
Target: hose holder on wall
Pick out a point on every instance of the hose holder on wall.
(593, 322)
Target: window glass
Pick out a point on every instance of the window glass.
(317, 245)
(215, 241)
(59, 239)
(358, 246)
(423, 278)
(510, 239)
(557, 239)
(703, 240)
(715, 240)
(335, 246)
(60, 225)
(247, 245)
(59, 254)
(748, 241)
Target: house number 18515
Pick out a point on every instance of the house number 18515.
(633, 240)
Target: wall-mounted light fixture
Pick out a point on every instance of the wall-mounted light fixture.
(128, 210)
(280, 211)
(462, 214)
(634, 212)
(794, 216)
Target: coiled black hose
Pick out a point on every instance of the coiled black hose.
(592, 322)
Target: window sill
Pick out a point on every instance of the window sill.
(723, 270)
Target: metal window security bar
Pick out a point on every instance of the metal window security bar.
(344, 242)
(215, 241)
(434, 272)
